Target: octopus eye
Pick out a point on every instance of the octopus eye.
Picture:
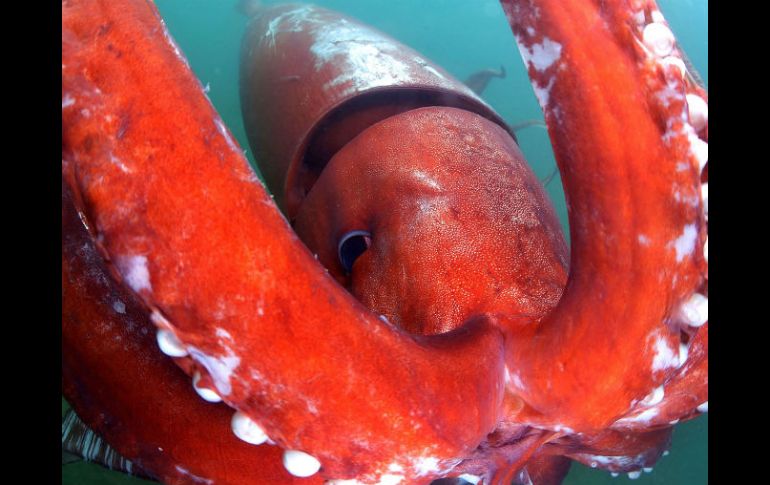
(351, 246)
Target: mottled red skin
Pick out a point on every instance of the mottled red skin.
(460, 225)
(156, 176)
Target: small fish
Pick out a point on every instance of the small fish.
(478, 81)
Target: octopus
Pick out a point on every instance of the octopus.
(395, 301)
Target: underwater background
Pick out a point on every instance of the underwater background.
(462, 36)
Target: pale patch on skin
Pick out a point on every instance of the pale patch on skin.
(67, 101)
(697, 148)
(643, 240)
(644, 417)
(362, 58)
(655, 397)
(669, 95)
(118, 163)
(135, 272)
(675, 128)
(224, 334)
(365, 59)
(684, 245)
(692, 200)
(543, 55)
(192, 476)
(333, 40)
(430, 205)
(119, 306)
(223, 131)
(514, 379)
(290, 21)
(390, 479)
(371, 60)
(427, 465)
(664, 357)
(173, 44)
(433, 71)
(219, 368)
(543, 94)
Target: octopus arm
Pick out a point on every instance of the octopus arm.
(146, 409)
(184, 222)
(633, 191)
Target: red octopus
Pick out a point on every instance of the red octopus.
(431, 322)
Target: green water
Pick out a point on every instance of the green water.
(462, 36)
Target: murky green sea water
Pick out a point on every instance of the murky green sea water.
(462, 36)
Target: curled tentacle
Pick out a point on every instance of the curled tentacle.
(188, 227)
(637, 222)
(129, 392)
